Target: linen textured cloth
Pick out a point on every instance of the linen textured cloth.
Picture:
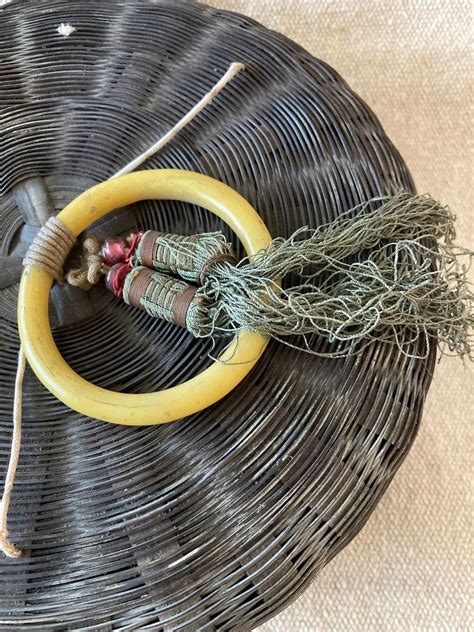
(411, 60)
(411, 568)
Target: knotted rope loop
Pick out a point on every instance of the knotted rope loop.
(50, 249)
(92, 269)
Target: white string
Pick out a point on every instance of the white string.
(9, 549)
(187, 118)
(5, 545)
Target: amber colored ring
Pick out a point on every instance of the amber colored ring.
(173, 403)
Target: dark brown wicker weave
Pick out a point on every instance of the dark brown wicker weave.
(220, 520)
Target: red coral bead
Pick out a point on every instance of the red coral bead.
(110, 278)
(114, 250)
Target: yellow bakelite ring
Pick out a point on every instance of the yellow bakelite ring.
(173, 403)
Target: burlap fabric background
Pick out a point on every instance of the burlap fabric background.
(411, 567)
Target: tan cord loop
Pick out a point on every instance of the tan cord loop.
(90, 273)
(49, 252)
(50, 248)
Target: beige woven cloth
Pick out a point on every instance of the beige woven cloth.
(411, 567)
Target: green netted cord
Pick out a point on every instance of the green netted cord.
(190, 258)
(411, 285)
(386, 270)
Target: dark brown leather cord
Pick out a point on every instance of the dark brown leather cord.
(148, 247)
(181, 305)
(211, 262)
(138, 286)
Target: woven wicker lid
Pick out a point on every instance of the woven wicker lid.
(222, 519)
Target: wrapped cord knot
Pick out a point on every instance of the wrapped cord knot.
(50, 248)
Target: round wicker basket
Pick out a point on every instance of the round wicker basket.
(220, 520)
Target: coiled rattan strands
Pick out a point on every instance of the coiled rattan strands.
(220, 520)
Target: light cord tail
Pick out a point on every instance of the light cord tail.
(207, 99)
(5, 545)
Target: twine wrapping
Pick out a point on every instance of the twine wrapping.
(50, 248)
